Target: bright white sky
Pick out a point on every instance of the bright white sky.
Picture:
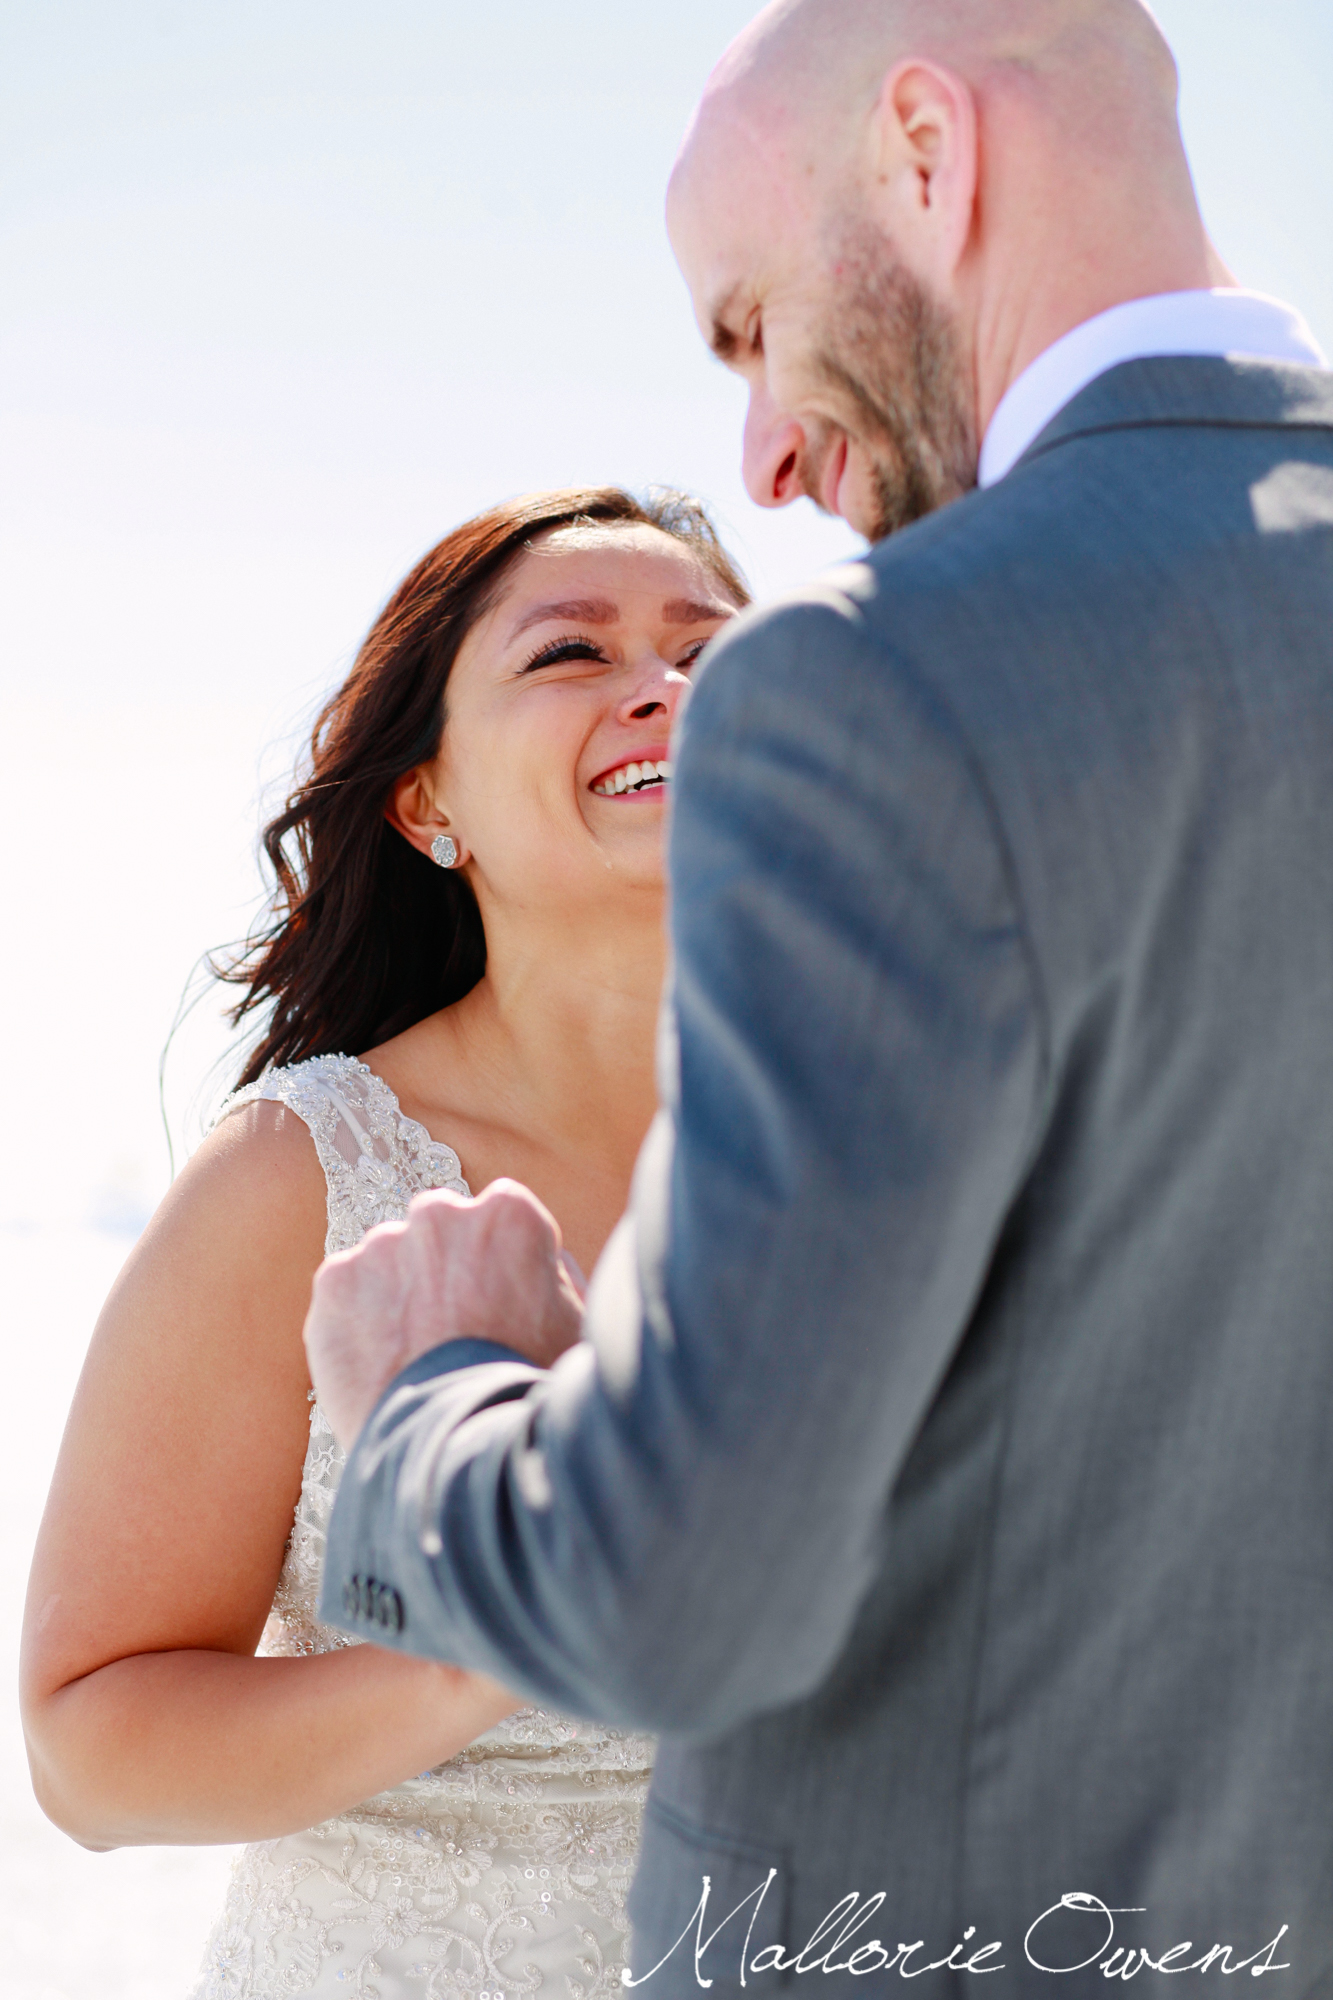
(292, 286)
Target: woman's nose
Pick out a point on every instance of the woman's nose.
(771, 453)
(657, 692)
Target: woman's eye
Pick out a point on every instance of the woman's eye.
(562, 650)
(692, 657)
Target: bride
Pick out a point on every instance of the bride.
(469, 890)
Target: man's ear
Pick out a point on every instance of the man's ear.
(924, 167)
(411, 808)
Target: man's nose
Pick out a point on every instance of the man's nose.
(771, 454)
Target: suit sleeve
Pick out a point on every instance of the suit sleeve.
(675, 1526)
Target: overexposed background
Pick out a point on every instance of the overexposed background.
(291, 287)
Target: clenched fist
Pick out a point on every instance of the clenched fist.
(457, 1269)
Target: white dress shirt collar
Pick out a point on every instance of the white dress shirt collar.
(1221, 322)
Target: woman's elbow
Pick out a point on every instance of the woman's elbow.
(73, 1815)
(63, 1782)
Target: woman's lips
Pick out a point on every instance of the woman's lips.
(644, 774)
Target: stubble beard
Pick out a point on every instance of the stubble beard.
(891, 354)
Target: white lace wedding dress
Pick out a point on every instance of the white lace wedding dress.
(500, 1874)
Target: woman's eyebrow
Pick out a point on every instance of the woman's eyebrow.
(601, 611)
(689, 611)
(572, 611)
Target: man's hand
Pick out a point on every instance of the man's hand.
(489, 1269)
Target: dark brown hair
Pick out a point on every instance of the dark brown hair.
(363, 935)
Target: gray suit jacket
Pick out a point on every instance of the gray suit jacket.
(949, 1470)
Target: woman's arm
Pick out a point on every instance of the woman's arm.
(148, 1719)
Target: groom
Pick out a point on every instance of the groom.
(945, 1469)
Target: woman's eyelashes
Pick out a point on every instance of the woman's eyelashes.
(558, 651)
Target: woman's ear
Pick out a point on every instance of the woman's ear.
(413, 811)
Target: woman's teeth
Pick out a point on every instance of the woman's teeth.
(634, 778)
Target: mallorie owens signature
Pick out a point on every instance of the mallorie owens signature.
(848, 1917)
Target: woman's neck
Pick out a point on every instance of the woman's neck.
(556, 1041)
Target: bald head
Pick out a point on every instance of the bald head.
(999, 169)
(863, 32)
(808, 65)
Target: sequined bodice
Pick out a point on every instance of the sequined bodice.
(470, 1879)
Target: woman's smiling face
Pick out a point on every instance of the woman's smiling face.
(554, 764)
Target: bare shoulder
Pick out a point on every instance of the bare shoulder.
(215, 1292)
(255, 1187)
(244, 1221)
(265, 1142)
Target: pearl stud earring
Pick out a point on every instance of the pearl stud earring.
(444, 850)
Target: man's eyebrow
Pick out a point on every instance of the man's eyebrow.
(571, 611)
(723, 340)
